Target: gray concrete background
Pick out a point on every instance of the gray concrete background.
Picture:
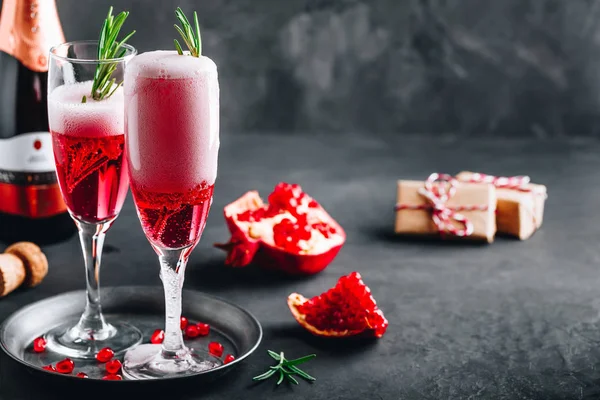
(465, 67)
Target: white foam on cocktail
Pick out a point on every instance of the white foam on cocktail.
(172, 113)
(169, 65)
(68, 115)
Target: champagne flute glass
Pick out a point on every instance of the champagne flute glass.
(88, 143)
(172, 144)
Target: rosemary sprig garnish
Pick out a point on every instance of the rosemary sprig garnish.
(286, 369)
(109, 48)
(191, 36)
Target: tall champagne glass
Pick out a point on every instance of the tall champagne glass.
(172, 142)
(89, 144)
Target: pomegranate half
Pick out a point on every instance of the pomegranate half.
(292, 233)
(348, 309)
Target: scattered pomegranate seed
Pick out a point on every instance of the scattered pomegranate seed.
(203, 329)
(183, 323)
(49, 368)
(157, 337)
(215, 348)
(82, 375)
(105, 355)
(191, 331)
(39, 345)
(112, 377)
(65, 366)
(228, 358)
(113, 366)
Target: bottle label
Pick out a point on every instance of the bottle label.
(28, 185)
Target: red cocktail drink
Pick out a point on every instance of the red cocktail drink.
(88, 141)
(86, 116)
(173, 219)
(172, 146)
(172, 113)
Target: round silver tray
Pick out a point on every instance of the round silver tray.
(232, 326)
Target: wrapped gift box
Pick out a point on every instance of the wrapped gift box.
(520, 204)
(467, 205)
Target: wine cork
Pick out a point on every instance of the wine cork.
(12, 273)
(34, 261)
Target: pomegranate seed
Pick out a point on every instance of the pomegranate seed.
(82, 375)
(65, 366)
(112, 377)
(191, 331)
(203, 329)
(158, 336)
(228, 358)
(105, 355)
(215, 348)
(49, 368)
(113, 366)
(183, 323)
(39, 345)
(313, 204)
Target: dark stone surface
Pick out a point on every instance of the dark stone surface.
(468, 67)
(511, 320)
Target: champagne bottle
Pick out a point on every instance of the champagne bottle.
(31, 206)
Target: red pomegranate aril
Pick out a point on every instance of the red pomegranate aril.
(113, 366)
(49, 368)
(344, 310)
(65, 366)
(112, 377)
(203, 329)
(183, 323)
(39, 345)
(191, 331)
(215, 348)
(228, 358)
(105, 355)
(82, 375)
(157, 337)
(313, 204)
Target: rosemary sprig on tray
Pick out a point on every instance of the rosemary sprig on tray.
(191, 36)
(286, 369)
(109, 48)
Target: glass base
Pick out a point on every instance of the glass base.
(71, 341)
(147, 362)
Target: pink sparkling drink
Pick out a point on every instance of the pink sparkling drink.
(88, 142)
(172, 119)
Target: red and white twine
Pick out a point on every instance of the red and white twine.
(520, 183)
(438, 189)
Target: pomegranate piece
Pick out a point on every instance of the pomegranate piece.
(228, 358)
(82, 375)
(113, 366)
(203, 329)
(112, 377)
(215, 348)
(348, 309)
(157, 337)
(191, 331)
(292, 233)
(183, 323)
(49, 368)
(65, 366)
(39, 345)
(105, 354)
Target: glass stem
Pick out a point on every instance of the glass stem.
(91, 237)
(172, 272)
